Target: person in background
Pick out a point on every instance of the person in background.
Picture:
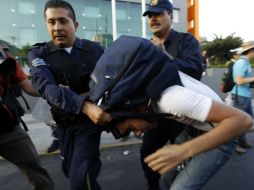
(233, 56)
(205, 61)
(54, 145)
(184, 49)
(241, 93)
(26, 83)
(15, 144)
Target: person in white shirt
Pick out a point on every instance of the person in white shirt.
(188, 100)
(199, 106)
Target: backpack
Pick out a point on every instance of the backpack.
(10, 108)
(139, 72)
(227, 81)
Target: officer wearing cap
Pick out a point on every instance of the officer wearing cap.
(184, 49)
(242, 93)
(158, 6)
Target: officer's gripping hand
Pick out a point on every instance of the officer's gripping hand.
(95, 113)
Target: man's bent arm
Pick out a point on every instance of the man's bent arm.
(229, 119)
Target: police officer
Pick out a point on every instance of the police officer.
(15, 144)
(184, 49)
(60, 71)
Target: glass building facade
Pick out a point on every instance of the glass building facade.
(22, 21)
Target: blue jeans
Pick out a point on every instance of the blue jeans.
(198, 170)
(244, 104)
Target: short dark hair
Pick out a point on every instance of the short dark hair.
(60, 4)
(231, 54)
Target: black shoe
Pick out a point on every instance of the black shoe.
(244, 144)
(53, 147)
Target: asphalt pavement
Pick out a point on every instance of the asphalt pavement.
(121, 170)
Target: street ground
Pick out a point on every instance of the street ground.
(123, 172)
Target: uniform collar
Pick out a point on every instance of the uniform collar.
(171, 36)
(78, 43)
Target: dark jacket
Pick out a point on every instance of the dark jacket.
(44, 73)
(188, 58)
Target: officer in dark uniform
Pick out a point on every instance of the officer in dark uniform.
(60, 72)
(184, 49)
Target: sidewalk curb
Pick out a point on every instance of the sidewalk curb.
(102, 147)
(113, 145)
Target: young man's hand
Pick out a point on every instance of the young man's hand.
(166, 158)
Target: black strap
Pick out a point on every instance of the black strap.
(24, 124)
(27, 105)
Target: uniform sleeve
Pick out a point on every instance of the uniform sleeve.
(183, 102)
(189, 60)
(44, 82)
(19, 75)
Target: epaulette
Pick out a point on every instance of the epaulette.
(37, 45)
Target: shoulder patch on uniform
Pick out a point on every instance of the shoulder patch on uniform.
(37, 45)
(38, 62)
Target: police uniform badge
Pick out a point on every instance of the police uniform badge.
(38, 62)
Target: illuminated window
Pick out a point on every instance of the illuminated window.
(27, 8)
(91, 12)
(175, 16)
(121, 14)
(28, 36)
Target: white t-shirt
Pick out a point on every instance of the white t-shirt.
(190, 103)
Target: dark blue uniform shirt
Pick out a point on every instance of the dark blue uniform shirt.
(188, 58)
(45, 82)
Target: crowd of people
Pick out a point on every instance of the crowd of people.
(202, 134)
